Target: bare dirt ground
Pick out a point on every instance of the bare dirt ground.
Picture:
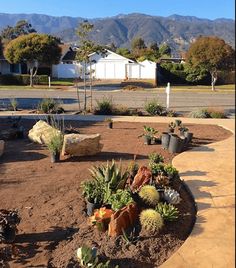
(48, 197)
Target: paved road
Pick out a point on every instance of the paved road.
(179, 101)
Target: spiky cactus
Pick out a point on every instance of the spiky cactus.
(151, 220)
(167, 211)
(171, 196)
(149, 195)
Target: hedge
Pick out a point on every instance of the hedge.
(22, 79)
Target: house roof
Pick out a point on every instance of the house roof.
(70, 55)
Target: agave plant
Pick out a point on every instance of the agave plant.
(167, 211)
(111, 177)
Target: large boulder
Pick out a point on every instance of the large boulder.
(42, 132)
(2, 143)
(81, 144)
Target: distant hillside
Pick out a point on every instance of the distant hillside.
(178, 31)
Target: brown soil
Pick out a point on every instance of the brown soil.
(48, 197)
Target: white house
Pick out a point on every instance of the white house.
(109, 66)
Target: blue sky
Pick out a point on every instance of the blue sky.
(210, 9)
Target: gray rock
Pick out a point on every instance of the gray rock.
(81, 144)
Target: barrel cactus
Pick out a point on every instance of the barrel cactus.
(167, 211)
(149, 195)
(171, 196)
(151, 220)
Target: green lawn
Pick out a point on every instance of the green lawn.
(200, 88)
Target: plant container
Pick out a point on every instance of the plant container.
(90, 207)
(188, 136)
(165, 139)
(176, 144)
(110, 125)
(147, 140)
(55, 157)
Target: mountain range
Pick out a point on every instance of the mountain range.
(175, 30)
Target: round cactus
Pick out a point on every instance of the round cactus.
(151, 220)
(171, 196)
(149, 195)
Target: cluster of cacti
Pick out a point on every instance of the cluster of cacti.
(151, 220)
(149, 195)
(171, 196)
(162, 180)
(167, 211)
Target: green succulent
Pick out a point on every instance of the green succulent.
(93, 191)
(156, 168)
(111, 177)
(151, 220)
(167, 211)
(120, 199)
(155, 158)
(169, 170)
(149, 195)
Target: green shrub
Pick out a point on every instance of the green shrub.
(216, 113)
(120, 199)
(167, 211)
(55, 143)
(104, 106)
(157, 168)
(14, 104)
(22, 79)
(151, 220)
(201, 113)
(153, 107)
(50, 106)
(93, 191)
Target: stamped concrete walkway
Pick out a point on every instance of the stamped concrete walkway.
(209, 173)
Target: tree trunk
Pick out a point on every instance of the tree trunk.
(213, 80)
(85, 89)
(31, 65)
(31, 77)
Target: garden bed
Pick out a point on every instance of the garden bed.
(48, 197)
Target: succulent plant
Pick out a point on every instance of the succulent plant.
(167, 211)
(120, 199)
(170, 171)
(156, 168)
(155, 158)
(149, 195)
(162, 180)
(151, 220)
(171, 196)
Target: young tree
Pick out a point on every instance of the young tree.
(210, 54)
(34, 49)
(86, 48)
(22, 28)
(124, 52)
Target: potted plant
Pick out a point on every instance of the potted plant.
(165, 139)
(182, 130)
(93, 193)
(172, 126)
(178, 123)
(149, 134)
(55, 146)
(176, 144)
(110, 122)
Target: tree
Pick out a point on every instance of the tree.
(137, 43)
(34, 49)
(22, 28)
(210, 54)
(86, 48)
(165, 50)
(124, 52)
